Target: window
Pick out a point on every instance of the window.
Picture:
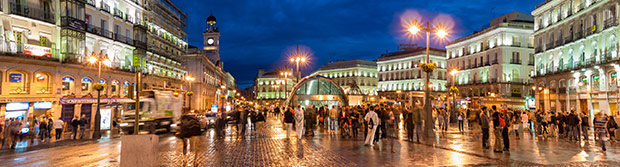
(73, 9)
(516, 41)
(515, 56)
(42, 83)
(18, 83)
(86, 86)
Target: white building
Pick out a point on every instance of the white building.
(576, 56)
(399, 71)
(494, 65)
(360, 73)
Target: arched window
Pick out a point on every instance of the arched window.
(115, 88)
(68, 86)
(18, 82)
(42, 83)
(125, 89)
(86, 86)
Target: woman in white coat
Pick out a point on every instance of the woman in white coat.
(299, 121)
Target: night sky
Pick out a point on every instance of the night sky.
(259, 33)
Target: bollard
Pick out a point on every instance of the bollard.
(139, 150)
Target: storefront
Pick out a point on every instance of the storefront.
(110, 107)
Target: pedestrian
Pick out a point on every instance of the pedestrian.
(507, 119)
(498, 125)
(417, 120)
(252, 115)
(573, 121)
(460, 118)
(260, 124)
(289, 118)
(311, 120)
(392, 130)
(83, 123)
(43, 130)
(14, 132)
(372, 120)
(611, 128)
(299, 121)
(333, 115)
(524, 123)
(600, 122)
(75, 122)
(354, 117)
(242, 121)
(585, 125)
(58, 125)
(409, 124)
(220, 124)
(484, 126)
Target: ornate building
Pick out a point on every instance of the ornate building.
(577, 56)
(494, 65)
(357, 73)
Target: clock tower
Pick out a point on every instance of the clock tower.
(211, 39)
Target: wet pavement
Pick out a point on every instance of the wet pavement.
(453, 149)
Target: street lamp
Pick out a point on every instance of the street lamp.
(286, 74)
(441, 33)
(189, 93)
(298, 59)
(100, 59)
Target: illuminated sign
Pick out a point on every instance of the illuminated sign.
(214, 108)
(42, 105)
(15, 114)
(17, 106)
(15, 77)
(38, 51)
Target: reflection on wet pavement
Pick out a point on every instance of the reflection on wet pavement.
(454, 149)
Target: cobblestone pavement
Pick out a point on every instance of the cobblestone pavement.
(272, 149)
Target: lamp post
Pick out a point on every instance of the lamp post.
(453, 73)
(190, 93)
(298, 59)
(285, 74)
(99, 59)
(441, 33)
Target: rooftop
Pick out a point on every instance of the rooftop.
(411, 51)
(348, 64)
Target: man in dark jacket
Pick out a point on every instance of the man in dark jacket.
(289, 118)
(74, 125)
(83, 123)
(242, 121)
(506, 139)
(409, 125)
(497, 147)
(484, 125)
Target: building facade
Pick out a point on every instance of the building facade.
(494, 65)
(576, 56)
(272, 87)
(398, 71)
(352, 73)
(44, 46)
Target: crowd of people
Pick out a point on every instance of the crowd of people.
(43, 129)
(382, 122)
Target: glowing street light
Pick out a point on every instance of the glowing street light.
(441, 33)
(100, 59)
(297, 60)
(190, 93)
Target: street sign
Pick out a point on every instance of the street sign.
(136, 60)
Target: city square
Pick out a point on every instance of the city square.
(309, 83)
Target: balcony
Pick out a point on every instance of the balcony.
(515, 61)
(538, 49)
(559, 42)
(43, 14)
(104, 7)
(578, 35)
(591, 30)
(487, 63)
(118, 13)
(99, 31)
(611, 22)
(91, 3)
(530, 63)
(494, 62)
(123, 39)
(128, 18)
(568, 39)
(549, 46)
(76, 24)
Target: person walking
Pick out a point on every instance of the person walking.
(43, 130)
(58, 125)
(14, 132)
(409, 124)
(311, 120)
(75, 122)
(299, 121)
(392, 130)
(600, 122)
(524, 123)
(289, 118)
(585, 125)
(506, 129)
(417, 121)
(260, 124)
(611, 128)
(354, 117)
(333, 115)
(498, 125)
(461, 118)
(83, 123)
(484, 126)
(242, 121)
(372, 120)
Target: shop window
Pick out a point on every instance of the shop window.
(68, 85)
(42, 83)
(86, 86)
(18, 83)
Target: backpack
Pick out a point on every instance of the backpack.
(502, 122)
(190, 126)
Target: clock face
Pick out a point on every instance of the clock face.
(210, 41)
